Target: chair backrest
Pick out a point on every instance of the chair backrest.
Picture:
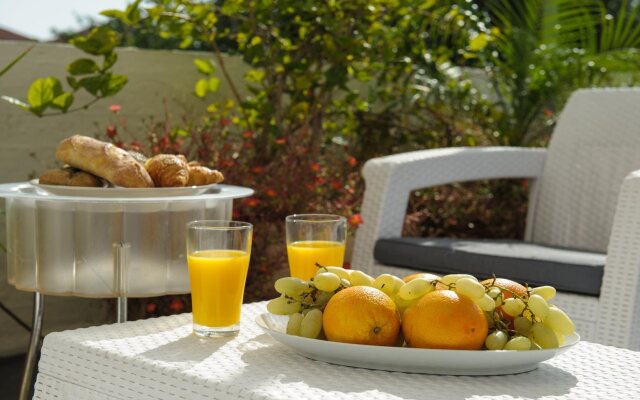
(595, 144)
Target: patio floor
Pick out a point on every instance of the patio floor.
(10, 376)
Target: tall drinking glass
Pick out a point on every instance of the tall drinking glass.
(218, 258)
(314, 238)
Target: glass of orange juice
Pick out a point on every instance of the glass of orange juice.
(218, 259)
(314, 239)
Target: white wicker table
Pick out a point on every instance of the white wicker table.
(160, 359)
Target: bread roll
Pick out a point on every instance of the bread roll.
(104, 160)
(69, 177)
(168, 170)
(199, 175)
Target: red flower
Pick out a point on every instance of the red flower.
(114, 108)
(227, 163)
(336, 184)
(352, 161)
(281, 140)
(164, 141)
(355, 219)
(319, 180)
(315, 167)
(270, 192)
(247, 145)
(225, 121)
(251, 202)
(310, 186)
(247, 134)
(257, 169)
(112, 131)
(176, 305)
(119, 144)
(135, 145)
(151, 308)
(548, 112)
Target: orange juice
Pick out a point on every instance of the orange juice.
(217, 286)
(304, 255)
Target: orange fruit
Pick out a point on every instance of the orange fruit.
(506, 287)
(361, 315)
(425, 275)
(444, 319)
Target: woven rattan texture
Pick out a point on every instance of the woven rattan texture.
(595, 144)
(161, 359)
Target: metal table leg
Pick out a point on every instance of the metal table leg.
(34, 345)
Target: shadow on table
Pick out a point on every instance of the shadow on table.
(189, 349)
(264, 364)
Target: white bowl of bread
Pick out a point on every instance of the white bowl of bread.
(97, 168)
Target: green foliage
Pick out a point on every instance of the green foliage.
(84, 74)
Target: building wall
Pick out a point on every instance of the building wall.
(27, 146)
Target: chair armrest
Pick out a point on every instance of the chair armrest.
(619, 308)
(389, 181)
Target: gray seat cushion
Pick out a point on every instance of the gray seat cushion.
(567, 270)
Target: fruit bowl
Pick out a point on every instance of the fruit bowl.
(404, 359)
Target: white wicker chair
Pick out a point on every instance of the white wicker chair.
(585, 194)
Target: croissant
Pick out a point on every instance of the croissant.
(167, 170)
(200, 175)
(104, 160)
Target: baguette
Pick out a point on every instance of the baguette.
(104, 160)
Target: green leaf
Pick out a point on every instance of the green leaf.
(256, 40)
(214, 84)
(73, 82)
(15, 102)
(479, 42)
(15, 60)
(204, 66)
(42, 92)
(133, 12)
(254, 75)
(91, 84)
(113, 84)
(117, 14)
(101, 40)
(82, 66)
(201, 88)
(63, 102)
(109, 60)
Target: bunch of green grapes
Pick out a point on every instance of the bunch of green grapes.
(527, 322)
(304, 301)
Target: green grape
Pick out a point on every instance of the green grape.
(311, 324)
(513, 306)
(535, 346)
(385, 283)
(326, 281)
(538, 306)
(359, 278)
(486, 303)
(453, 278)
(345, 283)
(283, 306)
(470, 288)
(403, 304)
(544, 336)
(398, 283)
(341, 272)
(290, 286)
(522, 325)
(415, 288)
(518, 343)
(496, 340)
(293, 326)
(546, 292)
(494, 292)
(323, 298)
(559, 321)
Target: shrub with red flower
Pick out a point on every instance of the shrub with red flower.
(298, 178)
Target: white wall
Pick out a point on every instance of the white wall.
(27, 146)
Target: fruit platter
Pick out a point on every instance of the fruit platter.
(452, 324)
